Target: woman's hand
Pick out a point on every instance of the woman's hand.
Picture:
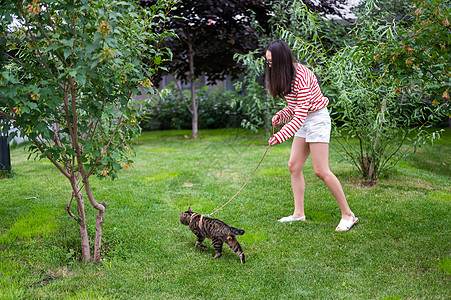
(273, 141)
(276, 120)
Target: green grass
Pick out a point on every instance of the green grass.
(400, 249)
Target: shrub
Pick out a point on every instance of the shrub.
(168, 109)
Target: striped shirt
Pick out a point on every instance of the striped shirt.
(305, 97)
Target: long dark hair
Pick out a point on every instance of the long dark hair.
(279, 76)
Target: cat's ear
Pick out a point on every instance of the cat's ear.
(189, 209)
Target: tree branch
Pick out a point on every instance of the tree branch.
(54, 162)
(67, 208)
(50, 41)
(179, 88)
(7, 115)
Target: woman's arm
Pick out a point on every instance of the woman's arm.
(286, 114)
(299, 115)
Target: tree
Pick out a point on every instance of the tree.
(68, 72)
(209, 33)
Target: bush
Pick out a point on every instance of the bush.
(168, 110)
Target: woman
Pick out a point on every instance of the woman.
(306, 118)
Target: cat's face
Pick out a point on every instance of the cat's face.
(186, 216)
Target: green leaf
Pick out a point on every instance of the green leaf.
(52, 47)
(67, 52)
(69, 43)
(32, 105)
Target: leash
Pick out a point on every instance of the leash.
(246, 181)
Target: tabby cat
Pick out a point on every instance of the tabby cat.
(214, 229)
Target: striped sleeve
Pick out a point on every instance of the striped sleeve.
(305, 97)
(286, 114)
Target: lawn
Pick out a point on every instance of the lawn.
(400, 249)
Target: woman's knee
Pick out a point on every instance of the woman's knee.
(322, 174)
(295, 168)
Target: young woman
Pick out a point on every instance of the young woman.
(306, 118)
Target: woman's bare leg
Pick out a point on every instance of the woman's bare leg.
(320, 160)
(299, 154)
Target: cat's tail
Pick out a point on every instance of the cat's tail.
(236, 231)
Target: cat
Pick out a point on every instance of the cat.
(214, 229)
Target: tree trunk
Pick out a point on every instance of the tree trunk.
(374, 165)
(84, 238)
(85, 250)
(193, 92)
(99, 220)
(268, 125)
(98, 237)
(100, 208)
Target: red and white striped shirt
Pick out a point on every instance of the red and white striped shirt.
(305, 97)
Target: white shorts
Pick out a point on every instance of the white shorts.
(316, 128)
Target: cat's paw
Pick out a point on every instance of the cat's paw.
(243, 258)
(218, 255)
(200, 246)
